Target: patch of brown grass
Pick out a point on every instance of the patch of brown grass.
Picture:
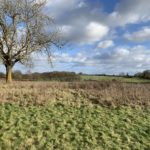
(76, 93)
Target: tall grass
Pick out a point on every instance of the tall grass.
(76, 93)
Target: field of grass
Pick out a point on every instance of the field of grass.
(113, 78)
(85, 115)
(104, 93)
(60, 126)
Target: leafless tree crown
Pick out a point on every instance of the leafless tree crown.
(24, 29)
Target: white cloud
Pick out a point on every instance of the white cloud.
(79, 25)
(81, 4)
(87, 34)
(105, 44)
(66, 30)
(130, 12)
(125, 58)
(78, 58)
(118, 19)
(119, 59)
(121, 53)
(59, 7)
(86, 23)
(139, 36)
(82, 26)
(95, 32)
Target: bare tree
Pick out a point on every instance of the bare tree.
(24, 29)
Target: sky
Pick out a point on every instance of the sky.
(103, 36)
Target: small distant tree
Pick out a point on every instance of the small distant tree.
(17, 74)
(122, 74)
(2, 75)
(24, 29)
(146, 74)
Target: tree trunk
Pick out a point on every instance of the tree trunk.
(8, 74)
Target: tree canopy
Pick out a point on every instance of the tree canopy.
(24, 29)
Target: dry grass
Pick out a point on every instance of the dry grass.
(76, 93)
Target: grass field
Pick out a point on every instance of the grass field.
(85, 115)
(113, 78)
(65, 127)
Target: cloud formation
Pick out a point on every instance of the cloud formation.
(79, 20)
(105, 44)
(120, 59)
(130, 12)
(84, 22)
(103, 41)
(139, 36)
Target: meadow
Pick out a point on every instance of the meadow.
(115, 78)
(97, 115)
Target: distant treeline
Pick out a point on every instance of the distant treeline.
(144, 75)
(57, 76)
(66, 76)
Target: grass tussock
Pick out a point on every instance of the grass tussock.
(76, 93)
(65, 127)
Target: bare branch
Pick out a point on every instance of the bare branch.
(25, 29)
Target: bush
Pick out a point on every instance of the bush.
(2, 75)
(144, 75)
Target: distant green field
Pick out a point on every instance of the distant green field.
(66, 127)
(111, 78)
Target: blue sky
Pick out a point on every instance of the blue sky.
(104, 36)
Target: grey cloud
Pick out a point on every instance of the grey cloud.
(130, 12)
(120, 59)
(78, 14)
(74, 19)
(105, 44)
(139, 36)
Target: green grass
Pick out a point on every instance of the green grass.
(60, 126)
(110, 78)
